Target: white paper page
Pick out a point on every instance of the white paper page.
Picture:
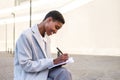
(70, 60)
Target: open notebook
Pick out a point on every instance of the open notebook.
(70, 60)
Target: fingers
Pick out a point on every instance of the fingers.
(64, 57)
(61, 59)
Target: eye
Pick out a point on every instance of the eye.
(57, 27)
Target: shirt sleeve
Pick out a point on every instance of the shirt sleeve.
(24, 52)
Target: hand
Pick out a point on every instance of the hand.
(60, 59)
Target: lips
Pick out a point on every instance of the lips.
(51, 33)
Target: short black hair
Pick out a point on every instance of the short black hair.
(56, 15)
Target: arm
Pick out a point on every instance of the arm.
(24, 51)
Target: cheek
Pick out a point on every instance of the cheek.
(48, 29)
(50, 26)
(47, 26)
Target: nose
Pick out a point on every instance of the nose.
(55, 31)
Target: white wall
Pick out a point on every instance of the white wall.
(92, 29)
(6, 3)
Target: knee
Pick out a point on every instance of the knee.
(64, 71)
(65, 74)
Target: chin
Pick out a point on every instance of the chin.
(48, 34)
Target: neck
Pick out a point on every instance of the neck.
(41, 29)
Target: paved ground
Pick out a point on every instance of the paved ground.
(84, 68)
(6, 67)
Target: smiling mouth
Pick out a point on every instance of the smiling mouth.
(51, 33)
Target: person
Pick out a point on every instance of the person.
(32, 53)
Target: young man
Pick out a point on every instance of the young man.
(32, 56)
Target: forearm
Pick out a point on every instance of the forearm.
(36, 66)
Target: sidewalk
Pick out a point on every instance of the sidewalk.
(6, 66)
(84, 68)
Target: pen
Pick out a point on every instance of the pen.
(59, 50)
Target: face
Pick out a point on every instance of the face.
(52, 27)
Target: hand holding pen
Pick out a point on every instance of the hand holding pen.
(61, 58)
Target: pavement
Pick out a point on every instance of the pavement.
(85, 67)
(6, 66)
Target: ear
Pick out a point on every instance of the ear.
(49, 19)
